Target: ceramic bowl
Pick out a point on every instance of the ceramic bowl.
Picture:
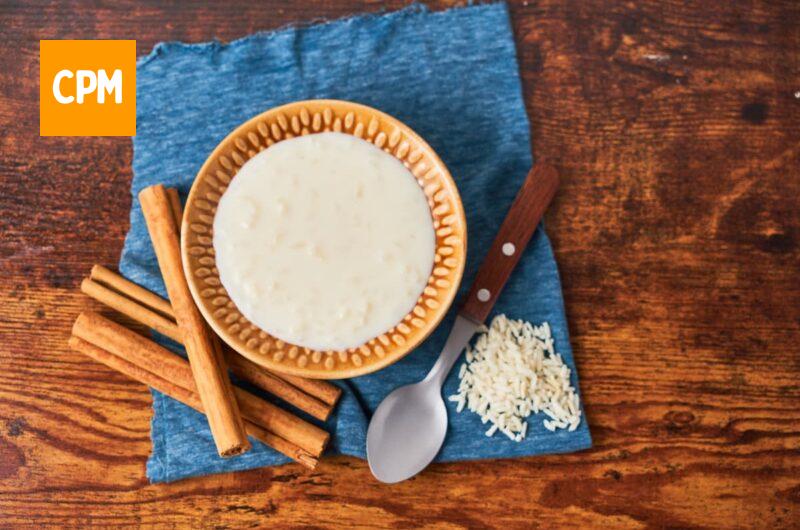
(310, 117)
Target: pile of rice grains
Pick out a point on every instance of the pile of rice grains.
(512, 371)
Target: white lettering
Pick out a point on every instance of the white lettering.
(104, 84)
(61, 98)
(82, 87)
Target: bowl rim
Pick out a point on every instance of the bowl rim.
(352, 371)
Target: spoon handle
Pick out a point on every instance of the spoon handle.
(526, 211)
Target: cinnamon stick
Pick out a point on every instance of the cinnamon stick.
(282, 446)
(243, 368)
(175, 207)
(132, 309)
(145, 353)
(209, 368)
(323, 391)
(132, 290)
(186, 397)
(253, 373)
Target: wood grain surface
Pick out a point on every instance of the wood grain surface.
(675, 128)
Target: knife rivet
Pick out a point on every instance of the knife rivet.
(484, 295)
(509, 249)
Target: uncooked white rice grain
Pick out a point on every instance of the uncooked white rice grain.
(512, 371)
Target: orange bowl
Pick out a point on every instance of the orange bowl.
(310, 117)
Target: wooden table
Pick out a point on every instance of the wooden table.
(676, 129)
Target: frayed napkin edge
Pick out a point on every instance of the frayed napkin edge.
(215, 45)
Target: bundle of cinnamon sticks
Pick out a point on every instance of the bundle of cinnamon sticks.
(201, 383)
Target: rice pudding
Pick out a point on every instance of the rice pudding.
(324, 241)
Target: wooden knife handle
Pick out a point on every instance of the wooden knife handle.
(530, 204)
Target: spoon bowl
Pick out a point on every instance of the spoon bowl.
(409, 426)
(406, 431)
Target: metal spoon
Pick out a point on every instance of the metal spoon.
(409, 426)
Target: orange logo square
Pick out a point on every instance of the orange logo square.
(87, 87)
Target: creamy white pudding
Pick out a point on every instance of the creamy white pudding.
(324, 241)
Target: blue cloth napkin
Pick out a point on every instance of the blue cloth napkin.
(451, 76)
